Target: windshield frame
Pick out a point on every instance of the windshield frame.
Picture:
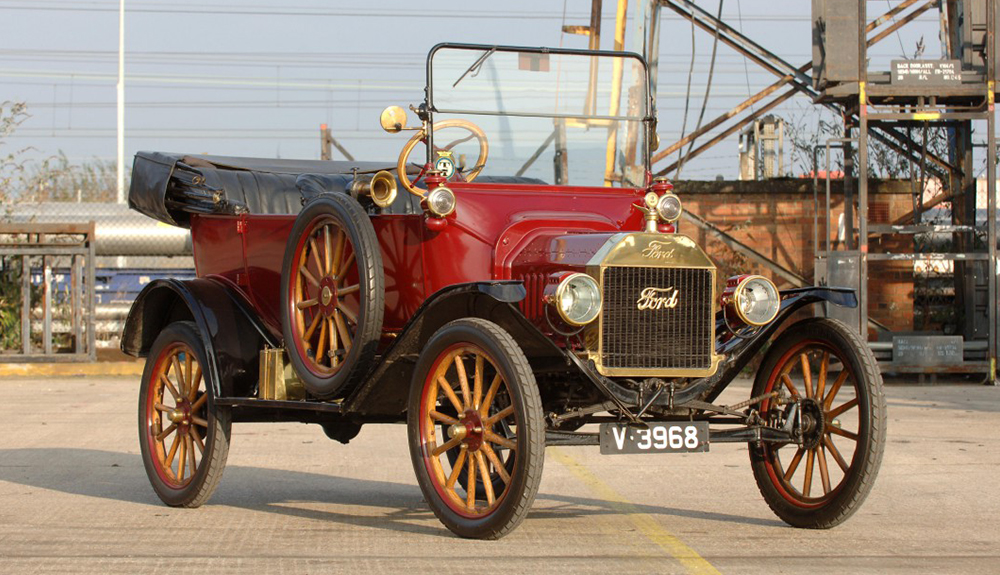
(648, 121)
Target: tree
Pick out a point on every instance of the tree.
(12, 163)
(883, 161)
(12, 169)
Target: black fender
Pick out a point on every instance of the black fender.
(738, 351)
(386, 389)
(232, 333)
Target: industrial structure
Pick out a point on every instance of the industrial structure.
(762, 149)
(883, 106)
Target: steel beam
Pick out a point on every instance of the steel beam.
(991, 189)
(736, 245)
(862, 172)
(889, 15)
(927, 256)
(900, 23)
(731, 113)
(729, 131)
(776, 65)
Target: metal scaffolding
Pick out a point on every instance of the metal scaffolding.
(876, 106)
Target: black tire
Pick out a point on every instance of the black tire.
(845, 481)
(175, 488)
(336, 369)
(516, 393)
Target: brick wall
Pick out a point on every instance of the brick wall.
(775, 218)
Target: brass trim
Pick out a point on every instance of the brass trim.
(736, 300)
(563, 284)
(393, 119)
(381, 187)
(277, 380)
(441, 190)
(642, 249)
(652, 372)
(680, 207)
(422, 136)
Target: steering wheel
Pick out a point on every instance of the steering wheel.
(421, 136)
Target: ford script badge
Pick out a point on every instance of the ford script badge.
(658, 298)
(657, 250)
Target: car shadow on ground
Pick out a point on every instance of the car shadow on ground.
(121, 477)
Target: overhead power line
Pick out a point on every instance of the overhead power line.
(257, 10)
(340, 55)
(340, 104)
(215, 80)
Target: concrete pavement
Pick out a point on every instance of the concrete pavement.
(74, 499)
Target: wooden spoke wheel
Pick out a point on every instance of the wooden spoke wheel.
(183, 436)
(326, 316)
(499, 472)
(830, 389)
(332, 289)
(477, 435)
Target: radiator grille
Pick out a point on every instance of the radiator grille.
(532, 306)
(678, 337)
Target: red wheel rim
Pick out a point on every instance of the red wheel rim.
(477, 410)
(176, 413)
(324, 296)
(807, 371)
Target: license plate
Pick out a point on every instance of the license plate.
(684, 437)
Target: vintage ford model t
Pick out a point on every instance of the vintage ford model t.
(495, 306)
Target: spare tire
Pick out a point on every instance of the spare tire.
(332, 294)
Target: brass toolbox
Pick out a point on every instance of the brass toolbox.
(277, 378)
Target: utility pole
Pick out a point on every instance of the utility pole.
(325, 145)
(327, 142)
(121, 102)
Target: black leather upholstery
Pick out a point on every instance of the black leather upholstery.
(261, 192)
(310, 185)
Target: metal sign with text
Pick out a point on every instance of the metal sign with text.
(926, 72)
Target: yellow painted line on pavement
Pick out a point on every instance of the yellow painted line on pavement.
(101, 368)
(648, 526)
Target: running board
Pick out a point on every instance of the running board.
(279, 404)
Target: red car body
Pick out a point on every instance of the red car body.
(497, 232)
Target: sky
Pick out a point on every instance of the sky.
(250, 78)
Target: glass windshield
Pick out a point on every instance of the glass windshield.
(555, 117)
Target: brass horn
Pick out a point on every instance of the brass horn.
(381, 187)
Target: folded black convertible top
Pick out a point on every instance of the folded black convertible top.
(169, 187)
